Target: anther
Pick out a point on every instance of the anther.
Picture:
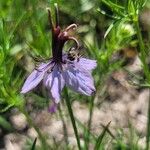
(37, 69)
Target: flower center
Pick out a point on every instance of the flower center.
(58, 41)
(59, 37)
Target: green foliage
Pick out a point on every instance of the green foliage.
(8, 77)
(5, 124)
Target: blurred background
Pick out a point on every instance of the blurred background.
(25, 34)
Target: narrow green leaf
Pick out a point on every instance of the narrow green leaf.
(110, 16)
(109, 29)
(6, 108)
(115, 7)
(5, 124)
(100, 138)
(34, 143)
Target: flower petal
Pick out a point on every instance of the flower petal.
(53, 107)
(34, 78)
(86, 64)
(81, 82)
(54, 82)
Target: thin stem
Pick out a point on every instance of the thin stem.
(90, 121)
(142, 51)
(91, 108)
(146, 72)
(64, 126)
(72, 117)
(42, 139)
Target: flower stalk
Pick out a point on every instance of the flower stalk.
(64, 126)
(72, 117)
(147, 74)
(91, 108)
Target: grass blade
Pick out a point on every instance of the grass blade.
(100, 137)
(5, 124)
(34, 143)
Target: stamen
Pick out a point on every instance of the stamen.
(41, 69)
(57, 14)
(51, 69)
(40, 59)
(75, 40)
(79, 57)
(36, 68)
(72, 26)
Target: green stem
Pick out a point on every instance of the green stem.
(142, 51)
(90, 121)
(42, 139)
(64, 126)
(146, 72)
(72, 117)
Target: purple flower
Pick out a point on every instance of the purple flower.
(63, 69)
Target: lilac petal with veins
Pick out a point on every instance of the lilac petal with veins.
(34, 78)
(78, 81)
(86, 64)
(54, 82)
